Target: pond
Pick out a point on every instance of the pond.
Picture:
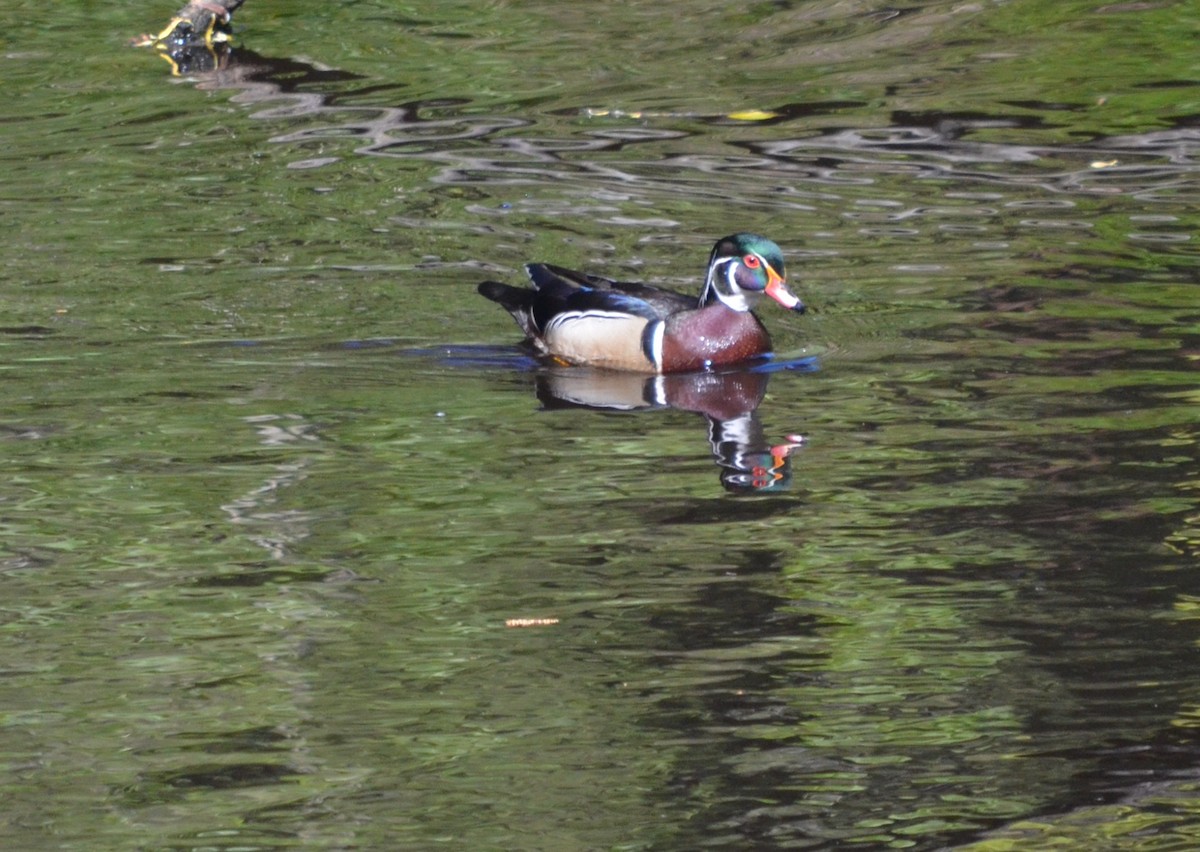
(300, 549)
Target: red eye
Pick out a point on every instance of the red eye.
(751, 261)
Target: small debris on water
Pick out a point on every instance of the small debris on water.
(530, 622)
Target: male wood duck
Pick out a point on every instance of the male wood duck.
(575, 318)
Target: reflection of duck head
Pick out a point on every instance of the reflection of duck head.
(749, 464)
(728, 401)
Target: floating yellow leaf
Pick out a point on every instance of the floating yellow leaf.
(752, 115)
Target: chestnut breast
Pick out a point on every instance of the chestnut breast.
(712, 336)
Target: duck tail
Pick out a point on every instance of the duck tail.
(518, 301)
(509, 298)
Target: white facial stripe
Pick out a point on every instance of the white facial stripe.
(732, 296)
(730, 273)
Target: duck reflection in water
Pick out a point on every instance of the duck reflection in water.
(729, 401)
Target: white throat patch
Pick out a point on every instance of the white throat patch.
(732, 296)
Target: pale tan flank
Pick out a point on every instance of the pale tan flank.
(602, 340)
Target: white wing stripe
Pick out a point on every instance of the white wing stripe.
(569, 317)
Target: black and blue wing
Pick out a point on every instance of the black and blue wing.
(563, 291)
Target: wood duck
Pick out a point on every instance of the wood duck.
(575, 318)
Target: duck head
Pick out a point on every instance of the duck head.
(744, 267)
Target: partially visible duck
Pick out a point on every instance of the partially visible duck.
(575, 318)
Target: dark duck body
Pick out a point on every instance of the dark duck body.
(576, 318)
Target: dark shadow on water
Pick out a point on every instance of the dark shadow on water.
(476, 357)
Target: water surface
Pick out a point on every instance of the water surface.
(276, 481)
